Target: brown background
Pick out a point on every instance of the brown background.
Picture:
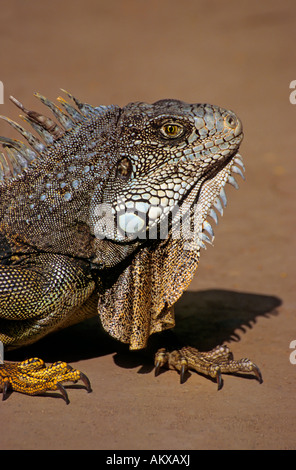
(237, 54)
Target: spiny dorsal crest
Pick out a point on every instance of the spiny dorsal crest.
(17, 156)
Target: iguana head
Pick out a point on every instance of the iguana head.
(166, 152)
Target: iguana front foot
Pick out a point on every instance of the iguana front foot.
(213, 363)
(33, 377)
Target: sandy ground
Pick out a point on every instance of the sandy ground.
(240, 55)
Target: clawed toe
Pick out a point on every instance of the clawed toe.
(213, 363)
(33, 377)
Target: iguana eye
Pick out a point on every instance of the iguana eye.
(171, 130)
(124, 168)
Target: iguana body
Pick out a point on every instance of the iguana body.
(107, 217)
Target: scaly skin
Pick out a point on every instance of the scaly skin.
(93, 221)
(34, 378)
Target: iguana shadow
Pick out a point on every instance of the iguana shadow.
(204, 320)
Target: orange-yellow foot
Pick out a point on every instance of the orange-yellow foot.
(33, 377)
(213, 363)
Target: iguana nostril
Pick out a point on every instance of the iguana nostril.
(231, 121)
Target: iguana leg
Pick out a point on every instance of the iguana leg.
(32, 377)
(213, 363)
(38, 296)
(41, 295)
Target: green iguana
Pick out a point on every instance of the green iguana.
(106, 215)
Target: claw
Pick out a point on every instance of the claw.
(183, 370)
(160, 359)
(63, 392)
(86, 382)
(258, 374)
(6, 385)
(157, 368)
(219, 380)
